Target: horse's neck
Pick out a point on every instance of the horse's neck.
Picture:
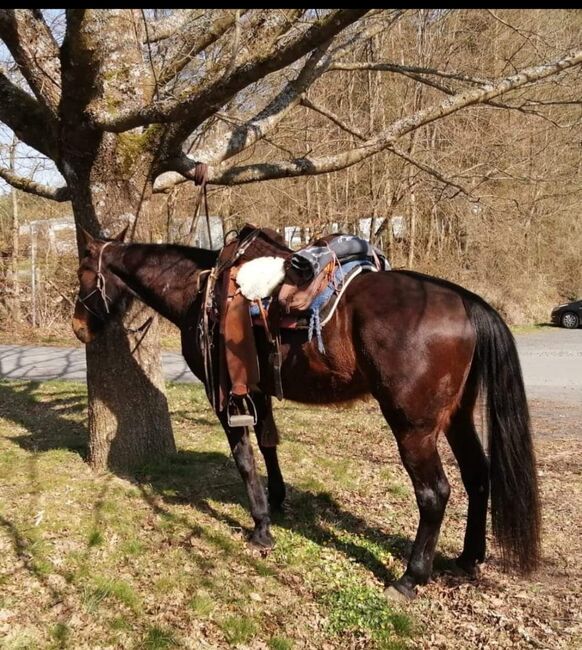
(163, 277)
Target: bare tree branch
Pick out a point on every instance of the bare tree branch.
(59, 194)
(35, 51)
(195, 39)
(30, 121)
(432, 171)
(205, 99)
(385, 66)
(333, 117)
(166, 27)
(399, 152)
(232, 175)
(379, 21)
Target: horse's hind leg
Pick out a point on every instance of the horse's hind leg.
(420, 457)
(473, 464)
(268, 438)
(240, 445)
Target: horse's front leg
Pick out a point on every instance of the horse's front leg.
(240, 445)
(268, 439)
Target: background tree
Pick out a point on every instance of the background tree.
(126, 101)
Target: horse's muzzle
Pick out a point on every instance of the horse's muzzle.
(82, 331)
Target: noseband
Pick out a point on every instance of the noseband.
(101, 285)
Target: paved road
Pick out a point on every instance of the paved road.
(36, 362)
(551, 361)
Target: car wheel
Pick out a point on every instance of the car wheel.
(569, 320)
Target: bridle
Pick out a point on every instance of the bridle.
(100, 288)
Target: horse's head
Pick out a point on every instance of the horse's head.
(100, 290)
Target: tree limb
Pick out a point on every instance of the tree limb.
(308, 103)
(36, 53)
(59, 194)
(205, 99)
(194, 40)
(158, 30)
(245, 135)
(432, 171)
(30, 121)
(232, 175)
(397, 151)
(385, 66)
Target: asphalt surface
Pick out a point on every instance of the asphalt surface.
(551, 362)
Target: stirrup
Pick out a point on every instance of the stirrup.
(241, 419)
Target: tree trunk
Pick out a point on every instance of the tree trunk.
(14, 282)
(129, 422)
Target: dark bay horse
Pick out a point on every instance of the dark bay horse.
(423, 347)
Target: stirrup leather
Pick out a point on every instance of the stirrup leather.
(241, 419)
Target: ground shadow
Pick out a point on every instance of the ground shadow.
(44, 420)
(200, 478)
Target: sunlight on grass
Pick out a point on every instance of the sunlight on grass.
(202, 604)
(361, 609)
(104, 588)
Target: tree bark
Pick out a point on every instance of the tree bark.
(110, 179)
(129, 422)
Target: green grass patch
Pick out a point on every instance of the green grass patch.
(159, 638)
(95, 538)
(280, 643)
(105, 588)
(238, 629)
(363, 610)
(202, 604)
(60, 634)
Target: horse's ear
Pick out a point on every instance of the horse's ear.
(86, 238)
(121, 236)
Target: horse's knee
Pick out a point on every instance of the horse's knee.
(432, 500)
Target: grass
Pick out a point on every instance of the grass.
(238, 629)
(161, 561)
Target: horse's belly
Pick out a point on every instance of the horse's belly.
(310, 377)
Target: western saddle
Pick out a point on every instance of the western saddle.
(227, 337)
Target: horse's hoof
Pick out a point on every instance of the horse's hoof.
(278, 508)
(262, 539)
(399, 594)
(464, 568)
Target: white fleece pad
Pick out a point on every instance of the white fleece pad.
(260, 277)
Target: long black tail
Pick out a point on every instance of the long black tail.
(515, 505)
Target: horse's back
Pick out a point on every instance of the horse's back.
(407, 300)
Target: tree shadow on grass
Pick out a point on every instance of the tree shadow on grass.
(44, 420)
(199, 478)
